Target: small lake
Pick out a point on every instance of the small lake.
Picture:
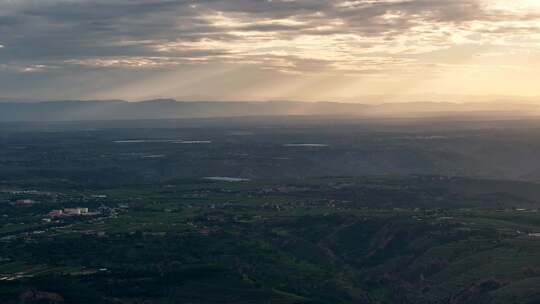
(142, 141)
(171, 141)
(192, 142)
(307, 145)
(227, 179)
(154, 156)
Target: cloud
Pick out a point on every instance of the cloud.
(289, 36)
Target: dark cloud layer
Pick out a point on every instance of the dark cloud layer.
(303, 36)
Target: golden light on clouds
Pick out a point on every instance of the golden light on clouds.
(279, 49)
(516, 5)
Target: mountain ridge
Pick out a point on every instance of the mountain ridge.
(83, 110)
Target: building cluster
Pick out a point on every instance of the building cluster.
(25, 202)
(68, 212)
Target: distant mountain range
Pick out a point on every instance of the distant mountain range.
(170, 109)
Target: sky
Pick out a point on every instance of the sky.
(334, 50)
